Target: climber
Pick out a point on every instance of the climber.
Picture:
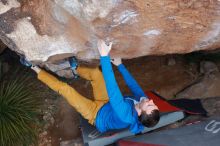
(109, 110)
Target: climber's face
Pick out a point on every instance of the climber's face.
(147, 106)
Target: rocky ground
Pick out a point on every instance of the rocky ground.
(175, 76)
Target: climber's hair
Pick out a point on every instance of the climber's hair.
(149, 120)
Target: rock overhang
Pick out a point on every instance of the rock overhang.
(44, 29)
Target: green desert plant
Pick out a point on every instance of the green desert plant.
(19, 110)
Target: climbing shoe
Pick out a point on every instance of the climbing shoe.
(74, 64)
(25, 62)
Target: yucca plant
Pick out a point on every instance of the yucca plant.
(19, 108)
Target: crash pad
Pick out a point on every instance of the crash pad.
(198, 133)
(92, 137)
(170, 113)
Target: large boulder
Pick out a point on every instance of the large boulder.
(42, 29)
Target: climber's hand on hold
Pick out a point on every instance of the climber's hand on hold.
(116, 61)
(103, 48)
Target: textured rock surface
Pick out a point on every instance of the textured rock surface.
(207, 85)
(44, 28)
(2, 47)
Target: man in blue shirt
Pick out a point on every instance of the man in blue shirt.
(109, 110)
(119, 111)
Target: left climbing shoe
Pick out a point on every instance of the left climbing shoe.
(25, 62)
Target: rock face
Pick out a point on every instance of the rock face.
(207, 85)
(2, 47)
(41, 29)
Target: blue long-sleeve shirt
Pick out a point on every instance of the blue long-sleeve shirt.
(119, 112)
(131, 83)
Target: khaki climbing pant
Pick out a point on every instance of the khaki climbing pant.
(88, 108)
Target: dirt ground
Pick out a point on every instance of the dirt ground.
(167, 75)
